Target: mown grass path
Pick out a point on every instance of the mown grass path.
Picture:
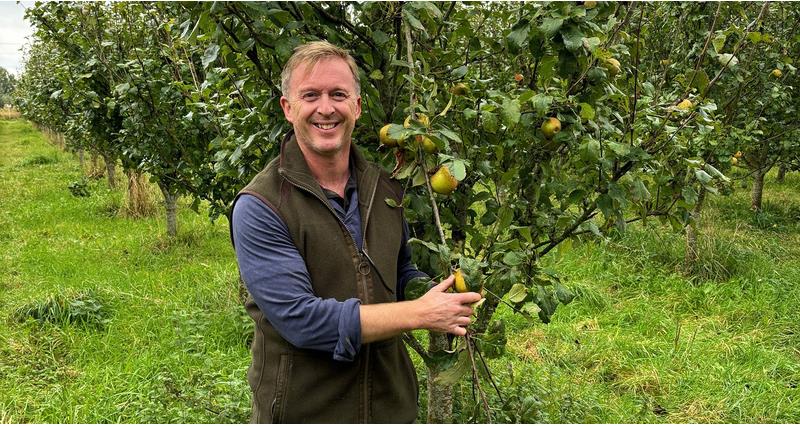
(146, 330)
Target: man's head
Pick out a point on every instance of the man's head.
(321, 98)
(310, 54)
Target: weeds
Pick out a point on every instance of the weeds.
(79, 188)
(39, 160)
(84, 309)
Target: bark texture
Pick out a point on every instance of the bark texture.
(692, 253)
(758, 190)
(440, 397)
(171, 207)
(781, 173)
(111, 171)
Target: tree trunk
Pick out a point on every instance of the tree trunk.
(95, 171)
(82, 160)
(138, 202)
(692, 255)
(440, 397)
(111, 170)
(171, 207)
(758, 190)
(781, 173)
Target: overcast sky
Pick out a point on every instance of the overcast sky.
(13, 30)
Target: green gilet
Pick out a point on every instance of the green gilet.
(293, 385)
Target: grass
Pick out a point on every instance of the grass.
(105, 320)
(648, 340)
(171, 348)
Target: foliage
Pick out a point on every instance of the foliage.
(7, 83)
(85, 309)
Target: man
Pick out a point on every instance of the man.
(325, 259)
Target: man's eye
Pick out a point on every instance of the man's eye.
(339, 95)
(310, 96)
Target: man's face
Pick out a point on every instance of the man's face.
(322, 105)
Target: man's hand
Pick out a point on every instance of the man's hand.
(446, 312)
(437, 310)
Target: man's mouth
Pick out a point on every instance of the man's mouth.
(325, 126)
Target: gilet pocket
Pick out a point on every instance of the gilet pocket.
(281, 387)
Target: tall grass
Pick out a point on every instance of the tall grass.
(9, 113)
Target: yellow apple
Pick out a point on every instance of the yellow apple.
(387, 140)
(459, 89)
(443, 182)
(613, 66)
(427, 144)
(422, 118)
(550, 127)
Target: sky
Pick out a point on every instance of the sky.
(13, 31)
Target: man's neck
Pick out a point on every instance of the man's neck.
(331, 172)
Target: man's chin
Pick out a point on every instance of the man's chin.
(326, 147)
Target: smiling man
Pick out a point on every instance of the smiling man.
(325, 260)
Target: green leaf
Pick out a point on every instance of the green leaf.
(449, 134)
(430, 246)
(391, 203)
(550, 26)
(453, 374)
(413, 21)
(699, 80)
(689, 195)
(380, 37)
(513, 258)
(639, 191)
(728, 59)
(563, 294)
(489, 121)
(459, 169)
(519, 34)
(702, 176)
(587, 112)
(376, 75)
(459, 72)
(210, 55)
(573, 38)
(620, 149)
(541, 103)
(517, 294)
(417, 287)
(719, 42)
(510, 112)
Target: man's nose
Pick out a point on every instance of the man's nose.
(325, 105)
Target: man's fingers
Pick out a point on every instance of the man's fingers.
(458, 331)
(444, 285)
(468, 298)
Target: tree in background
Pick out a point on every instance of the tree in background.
(7, 84)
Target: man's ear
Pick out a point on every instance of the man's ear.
(286, 106)
(358, 107)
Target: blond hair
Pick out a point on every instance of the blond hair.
(310, 54)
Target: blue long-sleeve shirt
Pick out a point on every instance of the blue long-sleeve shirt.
(277, 278)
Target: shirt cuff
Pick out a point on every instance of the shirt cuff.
(349, 331)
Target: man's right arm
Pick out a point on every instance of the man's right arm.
(277, 278)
